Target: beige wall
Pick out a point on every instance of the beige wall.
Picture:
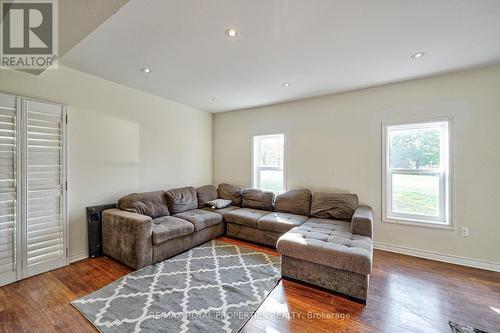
(335, 142)
(120, 140)
(123, 140)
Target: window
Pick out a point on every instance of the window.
(268, 162)
(416, 186)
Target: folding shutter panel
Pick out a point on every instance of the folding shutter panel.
(8, 190)
(45, 185)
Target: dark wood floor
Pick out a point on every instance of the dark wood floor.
(407, 294)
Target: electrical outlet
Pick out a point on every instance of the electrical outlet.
(464, 232)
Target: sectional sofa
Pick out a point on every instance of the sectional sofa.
(324, 238)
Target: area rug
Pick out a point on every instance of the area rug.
(215, 287)
(460, 328)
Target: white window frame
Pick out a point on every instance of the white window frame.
(444, 221)
(255, 160)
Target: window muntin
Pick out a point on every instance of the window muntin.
(416, 173)
(268, 162)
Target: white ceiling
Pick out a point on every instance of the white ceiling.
(77, 19)
(319, 46)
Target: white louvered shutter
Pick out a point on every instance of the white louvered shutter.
(45, 178)
(8, 190)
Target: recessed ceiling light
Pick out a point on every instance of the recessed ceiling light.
(215, 99)
(231, 33)
(286, 84)
(417, 55)
(146, 70)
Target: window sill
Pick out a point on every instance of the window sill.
(416, 223)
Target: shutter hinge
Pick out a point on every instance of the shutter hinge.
(67, 253)
(66, 118)
(66, 185)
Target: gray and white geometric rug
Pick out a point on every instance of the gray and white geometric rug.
(215, 287)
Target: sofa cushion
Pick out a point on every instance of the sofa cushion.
(280, 222)
(152, 204)
(258, 199)
(328, 224)
(245, 216)
(230, 192)
(169, 227)
(221, 211)
(333, 205)
(181, 199)
(201, 219)
(328, 243)
(294, 202)
(206, 193)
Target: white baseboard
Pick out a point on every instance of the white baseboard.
(488, 265)
(78, 256)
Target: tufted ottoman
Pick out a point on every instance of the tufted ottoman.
(326, 253)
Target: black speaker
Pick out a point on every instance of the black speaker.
(94, 228)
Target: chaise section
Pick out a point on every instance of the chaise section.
(329, 244)
(170, 227)
(126, 236)
(334, 256)
(317, 224)
(200, 219)
(339, 280)
(245, 216)
(280, 222)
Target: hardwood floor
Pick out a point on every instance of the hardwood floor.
(407, 294)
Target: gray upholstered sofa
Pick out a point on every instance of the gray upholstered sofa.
(324, 238)
(149, 227)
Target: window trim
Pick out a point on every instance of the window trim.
(446, 177)
(254, 167)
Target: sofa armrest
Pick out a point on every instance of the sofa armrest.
(126, 236)
(362, 221)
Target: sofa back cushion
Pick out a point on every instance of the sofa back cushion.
(258, 199)
(294, 202)
(339, 206)
(230, 192)
(206, 193)
(152, 204)
(181, 199)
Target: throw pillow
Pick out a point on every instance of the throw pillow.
(218, 203)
